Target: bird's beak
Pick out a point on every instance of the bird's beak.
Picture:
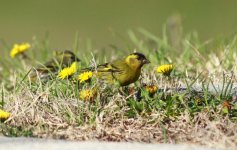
(146, 61)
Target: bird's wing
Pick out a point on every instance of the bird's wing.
(53, 62)
(107, 67)
(114, 67)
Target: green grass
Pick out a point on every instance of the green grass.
(53, 108)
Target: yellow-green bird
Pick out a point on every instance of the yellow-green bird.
(125, 70)
(61, 60)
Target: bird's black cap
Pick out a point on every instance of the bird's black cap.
(141, 57)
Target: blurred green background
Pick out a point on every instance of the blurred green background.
(102, 21)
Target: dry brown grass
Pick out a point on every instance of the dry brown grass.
(52, 117)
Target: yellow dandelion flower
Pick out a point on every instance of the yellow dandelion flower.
(19, 48)
(165, 69)
(152, 89)
(4, 115)
(88, 94)
(68, 71)
(85, 76)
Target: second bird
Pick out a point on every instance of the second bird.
(61, 60)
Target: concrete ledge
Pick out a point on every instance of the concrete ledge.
(41, 144)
